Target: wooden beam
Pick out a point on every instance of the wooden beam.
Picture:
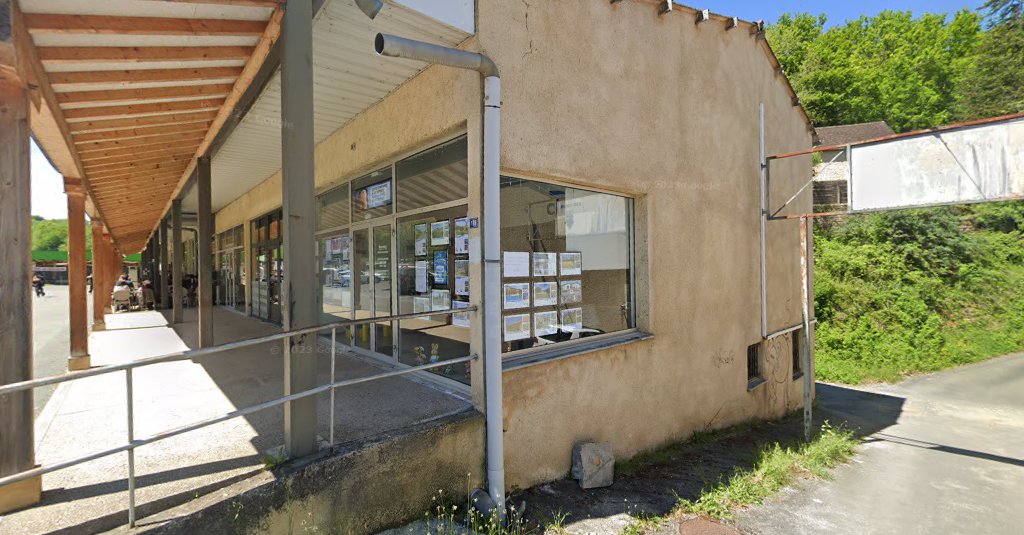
(121, 54)
(111, 155)
(147, 93)
(97, 148)
(144, 109)
(99, 24)
(151, 168)
(137, 163)
(135, 122)
(139, 133)
(145, 75)
(248, 3)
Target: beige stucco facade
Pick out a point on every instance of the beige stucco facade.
(615, 97)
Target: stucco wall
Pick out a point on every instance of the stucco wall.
(665, 110)
(658, 108)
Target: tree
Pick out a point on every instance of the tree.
(994, 83)
(1004, 12)
(50, 235)
(890, 67)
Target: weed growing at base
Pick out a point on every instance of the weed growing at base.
(775, 468)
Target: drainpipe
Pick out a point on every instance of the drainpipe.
(399, 47)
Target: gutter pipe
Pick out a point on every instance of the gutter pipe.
(400, 47)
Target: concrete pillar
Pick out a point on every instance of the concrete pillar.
(205, 260)
(298, 291)
(177, 314)
(17, 440)
(99, 262)
(165, 298)
(78, 310)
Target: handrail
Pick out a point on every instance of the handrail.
(206, 351)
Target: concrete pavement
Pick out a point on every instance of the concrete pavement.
(50, 338)
(944, 453)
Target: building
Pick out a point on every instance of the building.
(831, 174)
(635, 304)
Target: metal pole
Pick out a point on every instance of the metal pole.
(805, 291)
(334, 334)
(762, 215)
(178, 290)
(131, 449)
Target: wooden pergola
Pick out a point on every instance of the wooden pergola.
(125, 98)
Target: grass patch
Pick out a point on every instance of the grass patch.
(776, 467)
(670, 452)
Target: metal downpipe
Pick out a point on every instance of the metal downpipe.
(400, 47)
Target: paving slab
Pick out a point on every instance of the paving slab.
(88, 415)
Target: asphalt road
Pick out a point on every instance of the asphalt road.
(50, 338)
(943, 453)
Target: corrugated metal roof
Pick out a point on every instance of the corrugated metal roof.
(348, 78)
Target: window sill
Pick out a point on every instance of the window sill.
(572, 350)
(754, 383)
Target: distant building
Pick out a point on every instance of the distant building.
(830, 176)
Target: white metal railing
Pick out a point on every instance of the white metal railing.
(193, 354)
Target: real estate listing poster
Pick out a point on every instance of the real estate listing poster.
(462, 318)
(516, 264)
(545, 264)
(517, 295)
(441, 267)
(439, 233)
(517, 327)
(545, 294)
(571, 291)
(439, 299)
(545, 323)
(420, 234)
(571, 263)
(462, 236)
(421, 276)
(572, 319)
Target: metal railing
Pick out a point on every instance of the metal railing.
(193, 354)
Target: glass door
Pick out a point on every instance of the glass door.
(371, 288)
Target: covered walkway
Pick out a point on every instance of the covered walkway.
(90, 415)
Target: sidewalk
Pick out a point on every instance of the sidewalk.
(89, 415)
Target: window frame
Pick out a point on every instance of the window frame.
(757, 378)
(531, 355)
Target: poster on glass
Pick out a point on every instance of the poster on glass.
(572, 320)
(462, 236)
(439, 233)
(571, 291)
(421, 304)
(517, 295)
(516, 264)
(545, 323)
(545, 264)
(441, 267)
(461, 268)
(571, 263)
(421, 276)
(420, 233)
(545, 294)
(462, 286)
(517, 327)
(439, 299)
(462, 318)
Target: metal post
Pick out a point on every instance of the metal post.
(177, 292)
(17, 442)
(806, 316)
(78, 313)
(297, 294)
(334, 335)
(205, 260)
(131, 449)
(762, 218)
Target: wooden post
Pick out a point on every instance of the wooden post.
(205, 260)
(78, 310)
(99, 261)
(297, 294)
(17, 439)
(178, 292)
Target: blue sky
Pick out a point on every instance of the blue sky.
(837, 11)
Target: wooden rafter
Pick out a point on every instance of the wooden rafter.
(144, 132)
(135, 122)
(143, 109)
(139, 157)
(99, 24)
(136, 163)
(137, 54)
(92, 147)
(144, 94)
(145, 75)
(151, 168)
(247, 3)
(129, 149)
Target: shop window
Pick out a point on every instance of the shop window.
(434, 176)
(753, 365)
(566, 263)
(372, 195)
(335, 254)
(797, 346)
(332, 209)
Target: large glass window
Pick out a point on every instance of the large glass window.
(335, 254)
(566, 263)
(332, 209)
(433, 176)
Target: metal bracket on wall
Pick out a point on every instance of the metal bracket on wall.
(757, 30)
(734, 22)
(665, 7)
(703, 15)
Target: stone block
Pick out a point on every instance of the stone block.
(593, 464)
